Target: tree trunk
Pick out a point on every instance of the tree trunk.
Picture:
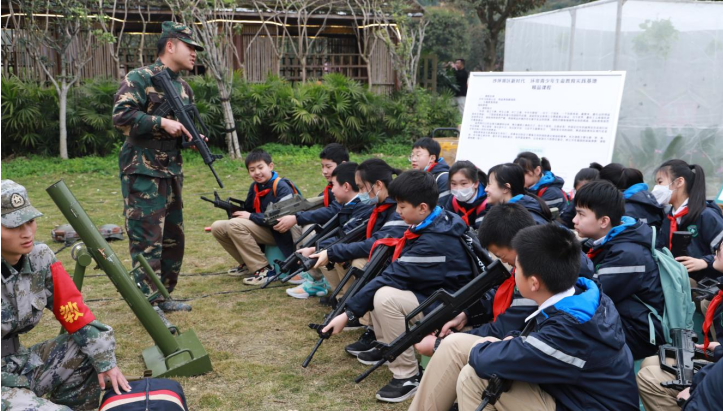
(232, 144)
(369, 74)
(118, 72)
(63, 103)
(490, 57)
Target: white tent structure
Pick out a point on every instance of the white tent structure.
(672, 52)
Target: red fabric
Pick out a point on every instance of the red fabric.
(564, 194)
(373, 218)
(463, 211)
(68, 305)
(674, 224)
(709, 318)
(140, 396)
(431, 167)
(327, 195)
(397, 243)
(257, 198)
(503, 296)
(593, 253)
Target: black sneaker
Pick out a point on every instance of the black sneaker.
(365, 343)
(370, 357)
(399, 390)
(353, 325)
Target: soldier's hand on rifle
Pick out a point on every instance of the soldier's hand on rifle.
(306, 252)
(456, 323)
(285, 223)
(174, 128)
(337, 324)
(242, 214)
(323, 257)
(116, 378)
(426, 346)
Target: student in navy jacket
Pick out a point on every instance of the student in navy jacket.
(540, 181)
(426, 157)
(429, 257)
(242, 234)
(573, 357)
(468, 199)
(582, 177)
(624, 264)
(639, 202)
(507, 185)
(683, 186)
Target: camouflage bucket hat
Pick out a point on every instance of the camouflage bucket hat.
(181, 32)
(16, 208)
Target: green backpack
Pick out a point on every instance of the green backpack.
(679, 307)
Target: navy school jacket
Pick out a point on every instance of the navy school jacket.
(707, 233)
(388, 224)
(625, 267)
(706, 393)
(320, 215)
(440, 171)
(284, 191)
(576, 353)
(480, 315)
(549, 188)
(532, 206)
(434, 260)
(641, 205)
(478, 205)
(350, 216)
(567, 214)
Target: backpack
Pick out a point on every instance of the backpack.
(293, 186)
(148, 394)
(679, 307)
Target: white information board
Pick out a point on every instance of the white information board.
(568, 117)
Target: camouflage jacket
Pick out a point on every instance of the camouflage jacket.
(24, 296)
(133, 114)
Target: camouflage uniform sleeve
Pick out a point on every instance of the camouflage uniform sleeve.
(128, 111)
(95, 340)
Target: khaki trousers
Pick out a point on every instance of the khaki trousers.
(449, 377)
(652, 394)
(241, 238)
(335, 275)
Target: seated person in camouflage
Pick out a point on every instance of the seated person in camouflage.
(70, 369)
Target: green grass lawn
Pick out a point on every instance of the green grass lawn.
(257, 340)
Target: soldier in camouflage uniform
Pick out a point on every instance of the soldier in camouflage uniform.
(71, 368)
(150, 159)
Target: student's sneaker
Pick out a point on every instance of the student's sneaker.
(308, 288)
(259, 277)
(399, 390)
(364, 344)
(299, 279)
(353, 325)
(370, 357)
(239, 271)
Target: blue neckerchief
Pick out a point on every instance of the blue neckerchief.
(635, 188)
(625, 222)
(516, 198)
(547, 178)
(427, 221)
(581, 306)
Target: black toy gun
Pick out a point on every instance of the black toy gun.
(187, 114)
(293, 205)
(231, 205)
(377, 263)
(686, 356)
(450, 305)
(707, 289)
(680, 243)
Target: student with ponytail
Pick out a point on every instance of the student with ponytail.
(507, 185)
(469, 199)
(540, 180)
(639, 202)
(683, 187)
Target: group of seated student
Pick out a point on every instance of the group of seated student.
(585, 287)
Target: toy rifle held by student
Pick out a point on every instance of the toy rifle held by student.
(686, 356)
(231, 205)
(187, 114)
(377, 263)
(707, 289)
(450, 305)
(293, 205)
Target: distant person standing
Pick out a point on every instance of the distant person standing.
(461, 75)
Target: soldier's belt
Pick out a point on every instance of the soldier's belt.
(161, 145)
(10, 345)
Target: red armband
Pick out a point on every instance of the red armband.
(68, 305)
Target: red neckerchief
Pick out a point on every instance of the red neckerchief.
(327, 195)
(373, 218)
(259, 194)
(503, 296)
(397, 243)
(709, 318)
(462, 212)
(593, 253)
(674, 224)
(431, 166)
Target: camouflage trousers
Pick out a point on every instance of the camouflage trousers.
(153, 209)
(63, 373)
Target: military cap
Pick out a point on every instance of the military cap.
(16, 208)
(179, 31)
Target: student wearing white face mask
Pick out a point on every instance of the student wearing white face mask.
(468, 198)
(683, 187)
